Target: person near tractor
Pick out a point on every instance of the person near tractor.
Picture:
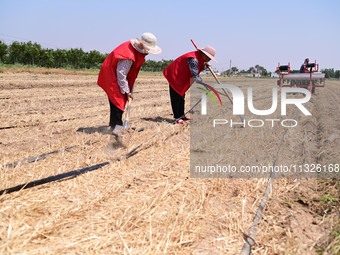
(303, 68)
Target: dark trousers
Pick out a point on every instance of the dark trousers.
(116, 115)
(177, 103)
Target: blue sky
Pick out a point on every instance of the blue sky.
(245, 32)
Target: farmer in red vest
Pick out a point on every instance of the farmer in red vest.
(119, 72)
(183, 72)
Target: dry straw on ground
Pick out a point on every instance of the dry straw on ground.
(147, 204)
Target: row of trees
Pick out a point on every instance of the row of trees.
(28, 53)
(330, 73)
(251, 71)
(155, 66)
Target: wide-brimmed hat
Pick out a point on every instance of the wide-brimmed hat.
(209, 51)
(149, 41)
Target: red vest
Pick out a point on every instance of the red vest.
(178, 73)
(107, 78)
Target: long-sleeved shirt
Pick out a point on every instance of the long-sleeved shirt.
(123, 68)
(193, 66)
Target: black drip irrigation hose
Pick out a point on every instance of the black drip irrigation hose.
(53, 178)
(37, 158)
(62, 176)
(33, 159)
(37, 123)
(249, 240)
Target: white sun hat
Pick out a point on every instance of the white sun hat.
(209, 51)
(149, 41)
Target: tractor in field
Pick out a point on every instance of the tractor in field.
(309, 79)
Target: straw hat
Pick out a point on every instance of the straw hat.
(209, 52)
(149, 41)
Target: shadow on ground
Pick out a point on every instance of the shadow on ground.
(159, 119)
(105, 130)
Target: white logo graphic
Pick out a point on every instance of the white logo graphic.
(238, 100)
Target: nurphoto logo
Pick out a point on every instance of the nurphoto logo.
(239, 106)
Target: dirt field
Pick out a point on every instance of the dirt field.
(144, 201)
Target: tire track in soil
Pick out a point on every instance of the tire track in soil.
(302, 220)
(328, 127)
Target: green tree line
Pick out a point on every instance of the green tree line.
(28, 53)
(329, 73)
(252, 70)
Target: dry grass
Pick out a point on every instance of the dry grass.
(43, 70)
(148, 204)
